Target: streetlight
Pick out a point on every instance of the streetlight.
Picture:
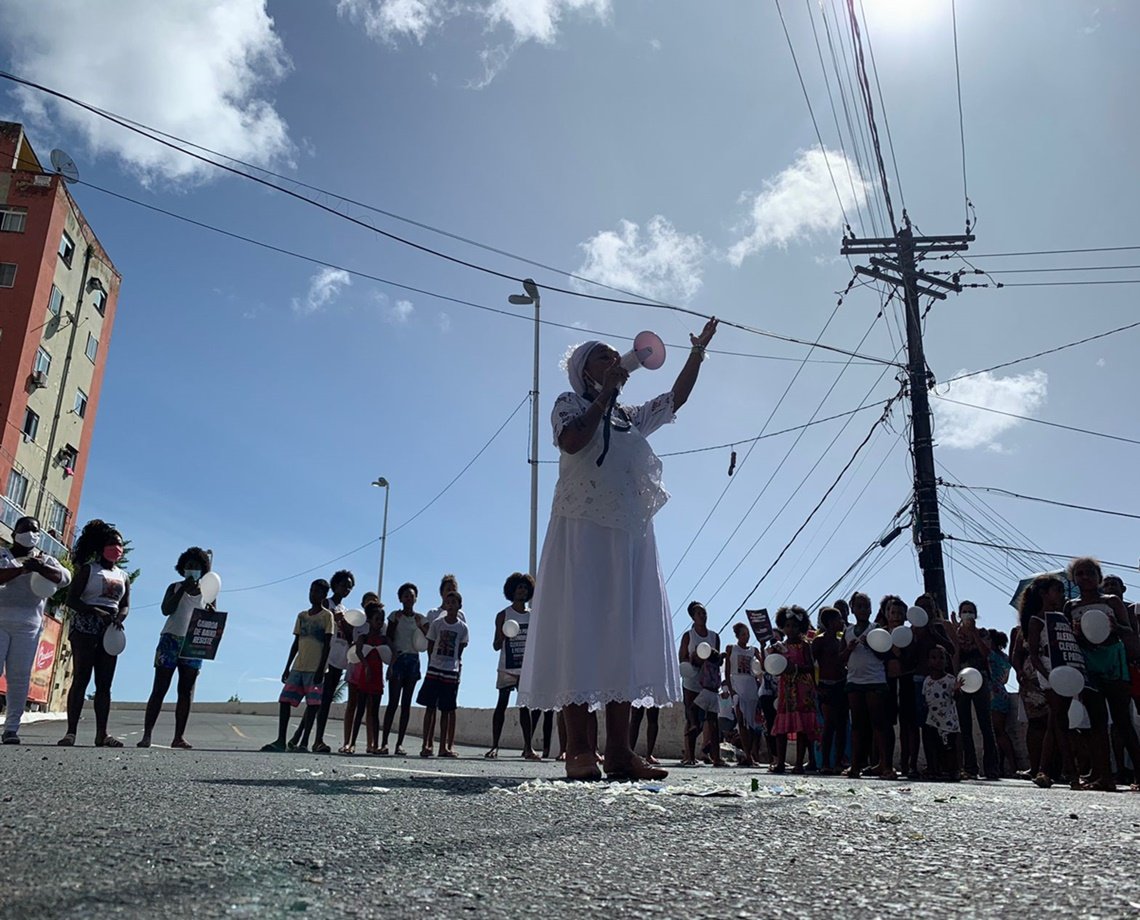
(382, 483)
(531, 297)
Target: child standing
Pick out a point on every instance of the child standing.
(447, 637)
(942, 727)
(308, 656)
(738, 661)
(796, 699)
(354, 709)
(827, 650)
(708, 701)
(367, 677)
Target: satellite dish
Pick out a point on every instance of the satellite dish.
(64, 165)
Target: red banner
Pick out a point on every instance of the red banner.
(40, 688)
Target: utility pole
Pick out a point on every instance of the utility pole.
(897, 265)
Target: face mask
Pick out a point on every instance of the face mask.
(29, 539)
(193, 574)
(112, 553)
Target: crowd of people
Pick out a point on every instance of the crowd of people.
(852, 689)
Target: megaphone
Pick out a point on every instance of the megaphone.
(648, 351)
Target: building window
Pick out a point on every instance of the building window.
(17, 490)
(80, 403)
(92, 348)
(99, 301)
(68, 458)
(43, 361)
(57, 518)
(12, 220)
(66, 249)
(31, 425)
(7, 274)
(55, 302)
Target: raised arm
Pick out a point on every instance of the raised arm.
(686, 380)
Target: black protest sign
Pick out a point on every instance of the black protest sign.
(204, 635)
(761, 625)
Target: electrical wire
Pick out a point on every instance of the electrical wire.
(428, 250)
(1039, 421)
(1041, 354)
(1034, 498)
(961, 117)
(1103, 562)
(1047, 252)
(882, 105)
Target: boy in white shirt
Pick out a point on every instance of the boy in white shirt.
(447, 638)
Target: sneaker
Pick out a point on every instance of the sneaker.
(11, 738)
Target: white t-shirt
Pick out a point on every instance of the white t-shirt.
(436, 612)
(864, 666)
(741, 677)
(18, 603)
(179, 622)
(692, 683)
(449, 639)
(338, 647)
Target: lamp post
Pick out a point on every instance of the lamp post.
(531, 297)
(382, 483)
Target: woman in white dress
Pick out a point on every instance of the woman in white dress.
(600, 631)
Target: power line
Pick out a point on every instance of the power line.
(1033, 498)
(812, 513)
(1103, 562)
(1047, 252)
(883, 105)
(1010, 284)
(961, 117)
(648, 304)
(1039, 421)
(1041, 354)
(356, 273)
(1037, 271)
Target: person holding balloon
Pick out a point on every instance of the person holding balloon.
(742, 666)
(974, 652)
(28, 577)
(942, 727)
(512, 624)
(182, 598)
(1099, 621)
(407, 634)
(354, 709)
(692, 640)
(796, 700)
(1059, 665)
(866, 686)
(366, 676)
(99, 598)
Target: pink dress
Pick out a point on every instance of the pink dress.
(796, 700)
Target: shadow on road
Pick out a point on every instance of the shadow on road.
(372, 785)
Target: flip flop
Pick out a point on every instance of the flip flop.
(182, 745)
(492, 754)
(67, 740)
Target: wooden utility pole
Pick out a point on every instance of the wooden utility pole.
(896, 263)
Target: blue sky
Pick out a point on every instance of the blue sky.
(665, 147)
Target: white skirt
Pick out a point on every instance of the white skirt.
(600, 631)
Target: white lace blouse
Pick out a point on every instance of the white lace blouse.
(625, 492)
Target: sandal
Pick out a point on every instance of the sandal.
(425, 753)
(491, 754)
(400, 752)
(450, 754)
(346, 749)
(1042, 780)
(143, 743)
(636, 770)
(67, 740)
(532, 755)
(321, 748)
(384, 752)
(182, 745)
(108, 741)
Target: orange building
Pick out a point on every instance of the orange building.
(58, 292)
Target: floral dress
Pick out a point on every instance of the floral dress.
(796, 695)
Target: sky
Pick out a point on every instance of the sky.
(664, 148)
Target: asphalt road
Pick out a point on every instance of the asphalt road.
(225, 830)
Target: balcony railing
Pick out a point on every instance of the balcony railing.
(10, 512)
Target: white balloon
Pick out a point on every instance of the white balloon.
(43, 587)
(210, 585)
(510, 628)
(1066, 680)
(688, 670)
(114, 640)
(757, 667)
(775, 664)
(879, 640)
(917, 616)
(353, 656)
(1095, 626)
(902, 636)
(419, 641)
(704, 650)
(354, 617)
(971, 679)
(386, 654)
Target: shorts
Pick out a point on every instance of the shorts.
(866, 688)
(405, 667)
(727, 726)
(439, 693)
(708, 701)
(301, 686)
(167, 654)
(833, 693)
(506, 681)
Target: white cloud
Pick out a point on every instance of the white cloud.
(400, 312)
(199, 69)
(388, 20)
(800, 201)
(324, 287)
(662, 264)
(538, 20)
(965, 428)
(443, 323)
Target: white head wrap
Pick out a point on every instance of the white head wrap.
(575, 364)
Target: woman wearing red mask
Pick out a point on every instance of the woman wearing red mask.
(99, 598)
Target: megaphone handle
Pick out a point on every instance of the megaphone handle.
(606, 425)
